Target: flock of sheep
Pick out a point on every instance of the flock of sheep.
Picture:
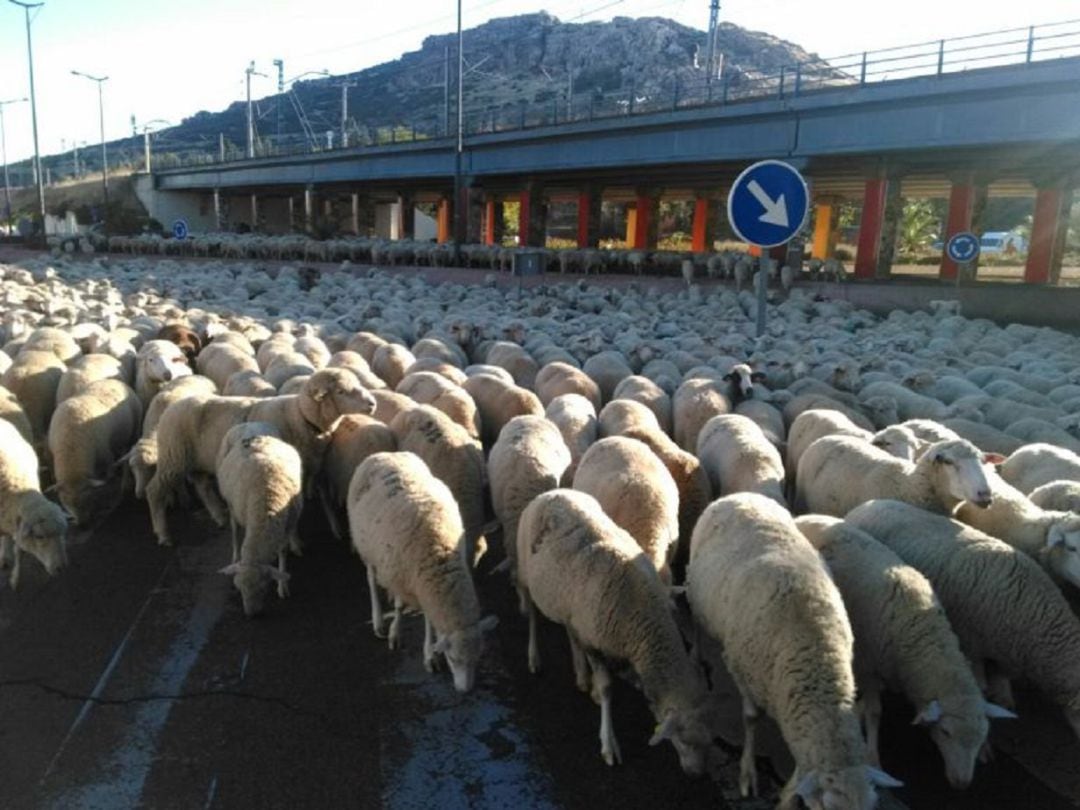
(642, 457)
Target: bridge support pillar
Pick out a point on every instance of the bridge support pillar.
(966, 199)
(877, 229)
(646, 221)
(355, 199)
(589, 205)
(532, 217)
(826, 216)
(254, 212)
(700, 240)
(489, 221)
(217, 209)
(406, 217)
(474, 215)
(442, 221)
(309, 208)
(1048, 228)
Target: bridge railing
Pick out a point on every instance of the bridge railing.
(692, 89)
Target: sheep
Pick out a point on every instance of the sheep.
(452, 373)
(498, 403)
(807, 402)
(900, 442)
(696, 402)
(529, 458)
(648, 393)
(1004, 609)
(356, 437)
(607, 369)
(389, 363)
(12, 412)
(86, 370)
(259, 478)
(984, 437)
(766, 417)
(246, 383)
(455, 459)
(909, 405)
(365, 344)
(407, 530)
(286, 366)
(756, 585)
(424, 386)
(33, 378)
(620, 415)
(903, 642)
(1051, 538)
(54, 341)
(575, 418)
(88, 436)
(741, 379)
(1059, 496)
(738, 457)
(191, 430)
(1036, 464)
(187, 339)
(558, 378)
(582, 571)
(143, 456)
(516, 360)
(811, 425)
(389, 404)
(221, 361)
(1042, 432)
(635, 490)
(29, 522)
(837, 473)
(157, 362)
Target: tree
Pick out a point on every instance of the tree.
(918, 226)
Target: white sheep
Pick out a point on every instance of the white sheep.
(259, 476)
(158, 362)
(29, 522)
(516, 360)
(89, 437)
(837, 473)
(498, 402)
(648, 393)
(983, 436)
(899, 441)
(635, 490)
(407, 529)
(1060, 496)
(354, 439)
(607, 370)
(247, 383)
(575, 418)
(811, 425)
(220, 361)
(766, 417)
(1036, 464)
(86, 370)
(558, 378)
(757, 586)
(12, 412)
(584, 572)
(620, 415)
(903, 642)
(1004, 609)
(33, 378)
(738, 457)
(390, 361)
(909, 405)
(696, 402)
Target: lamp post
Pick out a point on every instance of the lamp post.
(249, 72)
(457, 209)
(104, 152)
(146, 139)
(33, 110)
(3, 155)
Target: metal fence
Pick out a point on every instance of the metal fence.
(1014, 46)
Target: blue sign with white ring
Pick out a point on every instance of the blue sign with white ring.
(180, 229)
(962, 247)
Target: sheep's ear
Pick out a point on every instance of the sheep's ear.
(488, 623)
(930, 714)
(993, 458)
(731, 376)
(230, 570)
(664, 729)
(995, 712)
(879, 778)
(1055, 537)
(807, 787)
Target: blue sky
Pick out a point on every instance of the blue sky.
(167, 60)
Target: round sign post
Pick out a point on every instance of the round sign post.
(766, 206)
(963, 249)
(180, 229)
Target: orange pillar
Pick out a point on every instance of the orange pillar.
(961, 208)
(489, 221)
(701, 218)
(642, 223)
(824, 229)
(870, 226)
(442, 221)
(1048, 228)
(631, 225)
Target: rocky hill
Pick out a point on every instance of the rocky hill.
(532, 60)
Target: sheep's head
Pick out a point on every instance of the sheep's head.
(90, 499)
(690, 731)
(463, 649)
(881, 410)
(1070, 424)
(899, 441)
(329, 394)
(163, 361)
(742, 378)
(253, 581)
(958, 725)
(961, 475)
(849, 788)
(1063, 543)
(920, 381)
(41, 529)
(143, 463)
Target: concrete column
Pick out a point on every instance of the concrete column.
(590, 203)
(646, 220)
(364, 215)
(309, 208)
(631, 224)
(254, 212)
(532, 217)
(217, 209)
(489, 221)
(826, 216)
(442, 220)
(698, 240)
(1048, 227)
(355, 198)
(474, 215)
(292, 213)
(877, 228)
(328, 208)
(407, 214)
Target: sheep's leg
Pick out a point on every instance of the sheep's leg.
(15, 569)
(394, 636)
(534, 647)
(207, 492)
(376, 608)
(235, 540)
(601, 693)
(283, 582)
(998, 688)
(871, 709)
(7, 552)
(431, 661)
(748, 781)
(157, 497)
(330, 509)
(581, 663)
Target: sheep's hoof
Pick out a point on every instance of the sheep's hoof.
(534, 666)
(612, 756)
(165, 541)
(433, 664)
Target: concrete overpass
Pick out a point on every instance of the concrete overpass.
(1006, 130)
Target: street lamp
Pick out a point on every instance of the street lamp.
(250, 71)
(459, 219)
(33, 110)
(146, 139)
(3, 155)
(104, 154)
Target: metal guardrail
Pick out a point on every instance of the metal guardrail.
(1012, 46)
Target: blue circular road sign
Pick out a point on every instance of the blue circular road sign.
(180, 229)
(962, 247)
(768, 203)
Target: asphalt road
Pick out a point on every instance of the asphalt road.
(133, 679)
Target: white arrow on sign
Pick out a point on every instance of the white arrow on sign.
(775, 210)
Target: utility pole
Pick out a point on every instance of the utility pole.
(249, 72)
(104, 154)
(75, 148)
(446, 91)
(38, 174)
(3, 155)
(345, 85)
(280, 65)
(714, 24)
(146, 139)
(458, 212)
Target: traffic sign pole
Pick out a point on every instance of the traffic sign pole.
(762, 296)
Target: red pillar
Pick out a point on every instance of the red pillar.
(523, 218)
(779, 254)
(644, 224)
(583, 200)
(873, 217)
(489, 221)
(1047, 235)
(701, 219)
(961, 207)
